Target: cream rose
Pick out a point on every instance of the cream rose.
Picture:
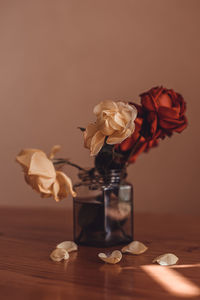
(41, 175)
(115, 120)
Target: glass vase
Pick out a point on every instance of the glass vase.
(103, 212)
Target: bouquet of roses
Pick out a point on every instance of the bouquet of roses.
(120, 133)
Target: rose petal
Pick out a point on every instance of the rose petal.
(42, 166)
(105, 128)
(69, 246)
(65, 184)
(166, 259)
(25, 156)
(119, 137)
(54, 150)
(134, 247)
(44, 184)
(97, 143)
(55, 191)
(88, 134)
(128, 111)
(165, 101)
(119, 120)
(114, 125)
(113, 258)
(105, 105)
(59, 254)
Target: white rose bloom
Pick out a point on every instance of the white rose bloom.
(115, 120)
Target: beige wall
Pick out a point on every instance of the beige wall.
(59, 58)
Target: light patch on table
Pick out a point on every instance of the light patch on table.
(185, 266)
(172, 281)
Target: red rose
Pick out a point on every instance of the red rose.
(144, 144)
(165, 111)
(161, 113)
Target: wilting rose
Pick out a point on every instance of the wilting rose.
(41, 175)
(165, 111)
(115, 120)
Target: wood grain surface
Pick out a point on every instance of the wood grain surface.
(27, 237)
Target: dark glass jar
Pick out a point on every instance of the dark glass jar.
(103, 212)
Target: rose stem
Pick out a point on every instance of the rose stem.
(65, 161)
(133, 149)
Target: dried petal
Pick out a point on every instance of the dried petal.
(107, 105)
(40, 165)
(119, 137)
(88, 134)
(166, 259)
(69, 246)
(43, 184)
(113, 258)
(65, 184)
(97, 142)
(25, 156)
(54, 150)
(55, 190)
(59, 254)
(135, 247)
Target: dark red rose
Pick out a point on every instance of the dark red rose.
(165, 111)
(141, 145)
(161, 113)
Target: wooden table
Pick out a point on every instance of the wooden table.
(27, 237)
